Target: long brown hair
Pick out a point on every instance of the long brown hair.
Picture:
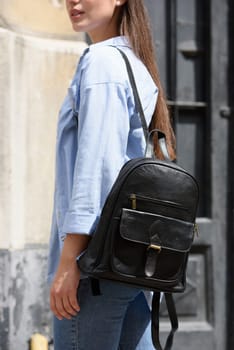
(135, 24)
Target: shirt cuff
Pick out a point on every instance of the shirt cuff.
(79, 224)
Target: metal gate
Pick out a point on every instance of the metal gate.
(230, 214)
(191, 44)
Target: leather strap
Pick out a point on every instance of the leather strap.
(137, 100)
(149, 151)
(155, 320)
(151, 261)
(149, 140)
(95, 286)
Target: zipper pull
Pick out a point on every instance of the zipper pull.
(196, 230)
(133, 200)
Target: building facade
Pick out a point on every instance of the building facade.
(39, 53)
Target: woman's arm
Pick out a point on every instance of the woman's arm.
(63, 292)
(102, 136)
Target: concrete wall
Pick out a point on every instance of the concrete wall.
(39, 53)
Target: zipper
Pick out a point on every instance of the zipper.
(135, 198)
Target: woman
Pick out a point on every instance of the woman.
(98, 131)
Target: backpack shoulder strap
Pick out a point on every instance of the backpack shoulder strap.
(135, 94)
(155, 320)
(148, 135)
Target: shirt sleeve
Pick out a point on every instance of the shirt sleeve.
(103, 128)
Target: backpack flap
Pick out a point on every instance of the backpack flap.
(153, 229)
(157, 240)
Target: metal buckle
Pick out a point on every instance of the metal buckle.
(155, 247)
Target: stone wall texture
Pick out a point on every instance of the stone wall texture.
(39, 53)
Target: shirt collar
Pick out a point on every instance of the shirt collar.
(116, 41)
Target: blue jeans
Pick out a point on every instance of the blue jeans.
(118, 319)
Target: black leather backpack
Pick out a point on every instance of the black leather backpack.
(147, 227)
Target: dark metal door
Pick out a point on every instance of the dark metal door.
(191, 45)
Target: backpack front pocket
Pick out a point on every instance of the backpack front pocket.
(151, 245)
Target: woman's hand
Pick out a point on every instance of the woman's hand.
(63, 292)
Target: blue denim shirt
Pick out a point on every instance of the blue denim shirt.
(98, 131)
